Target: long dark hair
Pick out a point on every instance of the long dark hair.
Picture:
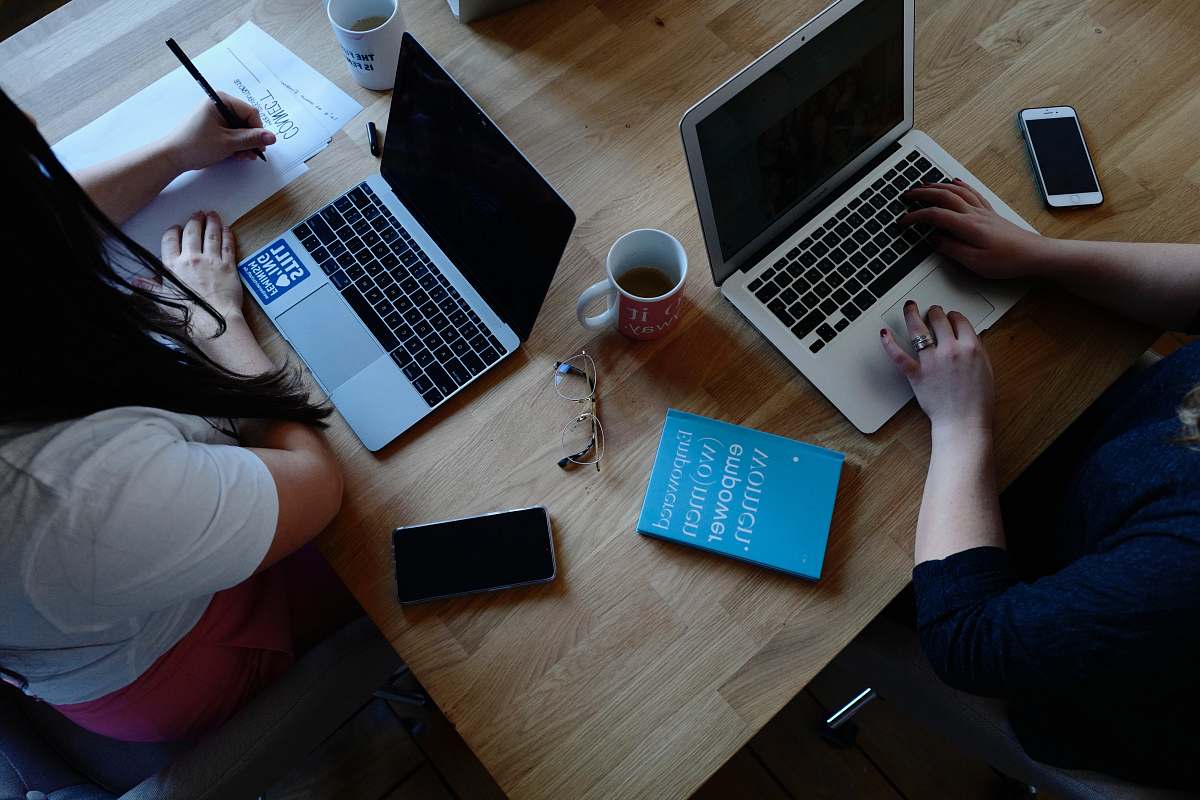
(78, 335)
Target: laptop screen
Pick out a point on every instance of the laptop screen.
(780, 138)
(490, 211)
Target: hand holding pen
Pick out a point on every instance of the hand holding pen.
(227, 126)
(204, 138)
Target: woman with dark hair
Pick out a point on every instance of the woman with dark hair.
(1075, 597)
(157, 469)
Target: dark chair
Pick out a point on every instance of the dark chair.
(43, 756)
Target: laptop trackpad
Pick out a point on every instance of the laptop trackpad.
(332, 341)
(949, 287)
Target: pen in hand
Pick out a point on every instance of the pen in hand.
(230, 118)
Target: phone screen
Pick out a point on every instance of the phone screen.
(1061, 155)
(476, 554)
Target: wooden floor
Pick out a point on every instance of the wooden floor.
(377, 756)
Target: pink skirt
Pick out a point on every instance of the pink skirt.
(247, 637)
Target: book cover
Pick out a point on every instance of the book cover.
(742, 493)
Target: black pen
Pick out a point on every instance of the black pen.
(230, 118)
(373, 138)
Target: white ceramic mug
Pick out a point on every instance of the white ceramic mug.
(371, 55)
(638, 318)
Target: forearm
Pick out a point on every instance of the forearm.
(121, 186)
(960, 508)
(238, 351)
(1158, 284)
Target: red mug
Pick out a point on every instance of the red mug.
(637, 317)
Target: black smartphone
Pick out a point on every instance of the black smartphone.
(1060, 159)
(475, 554)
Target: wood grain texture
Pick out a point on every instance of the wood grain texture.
(645, 666)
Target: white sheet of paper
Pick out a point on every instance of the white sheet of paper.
(333, 107)
(232, 187)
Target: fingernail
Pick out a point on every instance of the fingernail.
(958, 180)
(268, 137)
(883, 333)
(910, 304)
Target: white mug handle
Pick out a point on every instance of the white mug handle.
(591, 293)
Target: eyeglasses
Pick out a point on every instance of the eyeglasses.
(583, 435)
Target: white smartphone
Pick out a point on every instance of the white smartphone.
(1060, 157)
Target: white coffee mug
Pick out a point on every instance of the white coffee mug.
(371, 55)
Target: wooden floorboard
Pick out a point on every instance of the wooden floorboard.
(374, 757)
(919, 763)
(455, 762)
(807, 767)
(742, 776)
(422, 784)
(444, 749)
(368, 757)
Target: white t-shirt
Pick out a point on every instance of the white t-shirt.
(115, 531)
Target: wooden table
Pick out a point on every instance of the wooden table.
(645, 665)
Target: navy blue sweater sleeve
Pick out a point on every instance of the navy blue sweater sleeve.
(987, 633)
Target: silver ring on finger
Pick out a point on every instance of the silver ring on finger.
(922, 342)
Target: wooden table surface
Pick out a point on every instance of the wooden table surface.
(646, 665)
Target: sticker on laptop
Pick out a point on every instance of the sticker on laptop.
(273, 271)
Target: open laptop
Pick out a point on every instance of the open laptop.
(416, 281)
(798, 162)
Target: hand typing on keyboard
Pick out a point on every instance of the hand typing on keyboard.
(973, 234)
(953, 379)
(835, 274)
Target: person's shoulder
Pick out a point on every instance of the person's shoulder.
(112, 437)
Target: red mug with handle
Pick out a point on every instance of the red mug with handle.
(646, 270)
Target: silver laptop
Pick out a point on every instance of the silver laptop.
(413, 283)
(798, 162)
(471, 10)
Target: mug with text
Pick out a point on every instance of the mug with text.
(369, 33)
(646, 269)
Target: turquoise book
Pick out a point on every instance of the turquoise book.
(742, 493)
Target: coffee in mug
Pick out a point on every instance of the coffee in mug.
(645, 281)
(368, 23)
(645, 270)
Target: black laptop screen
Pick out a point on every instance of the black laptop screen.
(498, 220)
(797, 125)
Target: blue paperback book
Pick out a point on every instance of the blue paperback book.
(742, 493)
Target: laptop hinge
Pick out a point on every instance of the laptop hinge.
(757, 258)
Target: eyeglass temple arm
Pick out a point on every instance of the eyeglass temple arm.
(572, 369)
(566, 460)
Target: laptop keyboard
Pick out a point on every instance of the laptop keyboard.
(837, 272)
(399, 293)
